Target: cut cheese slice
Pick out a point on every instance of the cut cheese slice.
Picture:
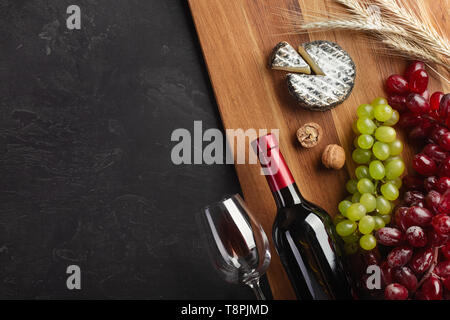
(284, 57)
(313, 64)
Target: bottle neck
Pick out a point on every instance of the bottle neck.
(287, 196)
(281, 181)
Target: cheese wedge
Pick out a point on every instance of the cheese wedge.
(284, 57)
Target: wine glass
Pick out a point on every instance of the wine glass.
(237, 243)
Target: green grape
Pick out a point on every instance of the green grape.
(366, 224)
(379, 222)
(362, 172)
(381, 150)
(385, 134)
(343, 206)
(351, 186)
(354, 237)
(338, 218)
(368, 201)
(345, 228)
(356, 196)
(397, 182)
(355, 127)
(378, 101)
(386, 218)
(390, 159)
(355, 142)
(365, 111)
(394, 119)
(368, 242)
(396, 147)
(365, 186)
(382, 112)
(389, 191)
(366, 126)
(383, 205)
(361, 156)
(394, 169)
(351, 248)
(365, 141)
(376, 170)
(356, 212)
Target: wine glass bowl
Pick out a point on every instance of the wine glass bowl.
(237, 244)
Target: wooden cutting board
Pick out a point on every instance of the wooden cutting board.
(237, 37)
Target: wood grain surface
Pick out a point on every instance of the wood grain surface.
(237, 37)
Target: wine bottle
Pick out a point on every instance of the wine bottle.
(303, 233)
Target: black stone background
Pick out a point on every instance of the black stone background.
(86, 176)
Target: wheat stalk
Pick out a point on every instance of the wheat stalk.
(419, 27)
(395, 26)
(409, 49)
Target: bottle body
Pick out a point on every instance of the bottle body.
(305, 241)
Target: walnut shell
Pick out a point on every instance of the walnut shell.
(333, 157)
(309, 135)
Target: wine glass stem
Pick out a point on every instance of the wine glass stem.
(254, 284)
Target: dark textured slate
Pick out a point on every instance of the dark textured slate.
(86, 177)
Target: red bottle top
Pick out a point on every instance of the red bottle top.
(272, 161)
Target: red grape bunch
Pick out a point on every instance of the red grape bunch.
(418, 264)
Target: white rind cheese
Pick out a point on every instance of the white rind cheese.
(324, 92)
(284, 57)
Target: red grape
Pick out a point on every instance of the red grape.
(386, 273)
(414, 66)
(418, 216)
(435, 100)
(389, 236)
(444, 106)
(430, 183)
(424, 165)
(444, 168)
(397, 84)
(370, 258)
(446, 251)
(437, 132)
(446, 283)
(416, 237)
(443, 269)
(398, 102)
(406, 277)
(399, 256)
(409, 120)
(411, 197)
(441, 224)
(417, 104)
(444, 206)
(400, 217)
(436, 239)
(421, 260)
(445, 141)
(435, 152)
(443, 184)
(418, 133)
(396, 291)
(418, 81)
(433, 200)
(432, 288)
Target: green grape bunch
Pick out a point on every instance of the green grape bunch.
(377, 178)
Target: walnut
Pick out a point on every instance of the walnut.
(309, 135)
(333, 157)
